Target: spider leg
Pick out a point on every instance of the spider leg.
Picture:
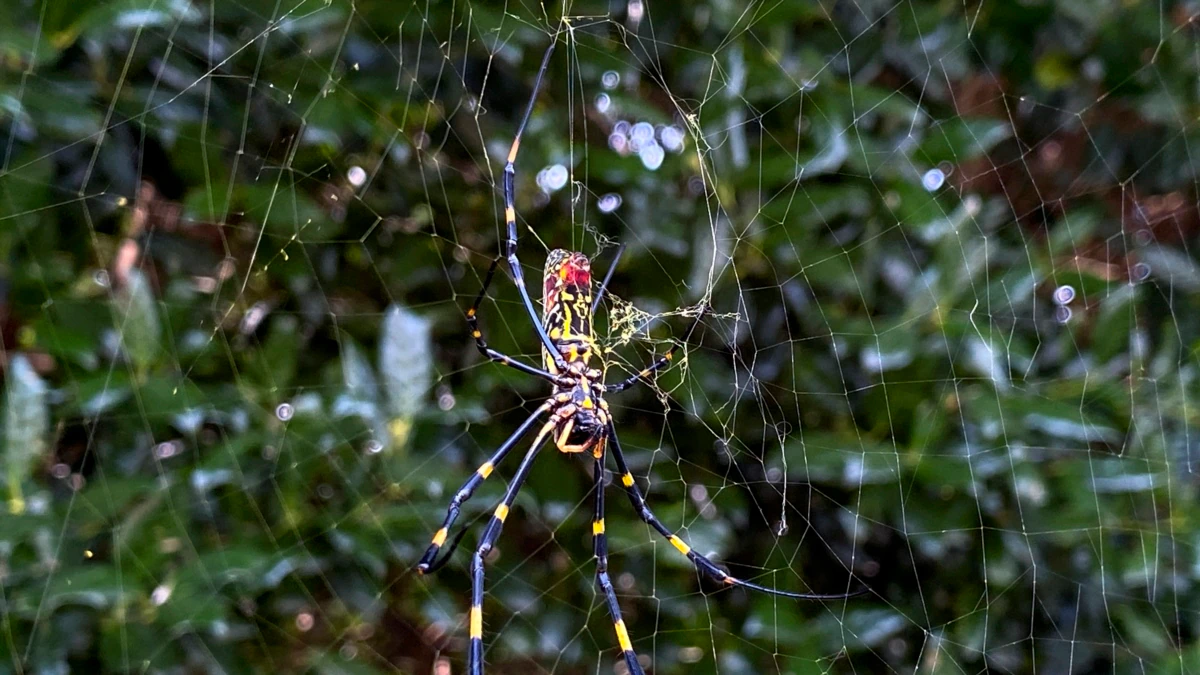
(482, 345)
(702, 563)
(661, 361)
(427, 565)
(490, 535)
(510, 219)
(612, 267)
(600, 549)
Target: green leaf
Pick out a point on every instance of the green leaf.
(98, 586)
(26, 426)
(125, 15)
(1054, 71)
(328, 663)
(138, 322)
(832, 140)
(960, 139)
(357, 374)
(25, 188)
(361, 396)
(406, 366)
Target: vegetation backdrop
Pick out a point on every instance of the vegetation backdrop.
(949, 247)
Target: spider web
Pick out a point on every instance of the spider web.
(948, 356)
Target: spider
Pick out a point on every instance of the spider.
(579, 417)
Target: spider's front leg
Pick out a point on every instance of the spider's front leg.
(510, 218)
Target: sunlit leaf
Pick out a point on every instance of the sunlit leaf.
(137, 322)
(361, 397)
(406, 366)
(26, 428)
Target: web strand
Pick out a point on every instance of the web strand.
(925, 274)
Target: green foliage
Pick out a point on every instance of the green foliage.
(26, 426)
(237, 241)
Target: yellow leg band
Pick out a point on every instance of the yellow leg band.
(623, 636)
(477, 622)
(627, 480)
(439, 537)
(485, 469)
(501, 512)
(598, 527)
(679, 544)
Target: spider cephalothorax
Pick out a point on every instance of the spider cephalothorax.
(579, 419)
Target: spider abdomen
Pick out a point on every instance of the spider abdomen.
(567, 306)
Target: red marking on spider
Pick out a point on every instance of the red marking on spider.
(578, 270)
(573, 272)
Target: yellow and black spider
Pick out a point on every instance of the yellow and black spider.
(579, 418)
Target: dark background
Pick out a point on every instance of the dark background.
(238, 240)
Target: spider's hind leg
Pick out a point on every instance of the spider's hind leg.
(486, 542)
(427, 563)
(702, 563)
(600, 548)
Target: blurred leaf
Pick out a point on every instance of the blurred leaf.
(830, 137)
(1116, 323)
(102, 502)
(25, 188)
(960, 139)
(361, 398)
(872, 628)
(1074, 230)
(26, 428)
(23, 46)
(126, 15)
(329, 663)
(880, 205)
(1053, 71)
(357, 374)
(892, 349)
(406, 366)
(1173, 267)
(101, 392)
(96, 586)
(138, 323)
(286, 212)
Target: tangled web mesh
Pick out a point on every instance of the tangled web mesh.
(948, 351)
